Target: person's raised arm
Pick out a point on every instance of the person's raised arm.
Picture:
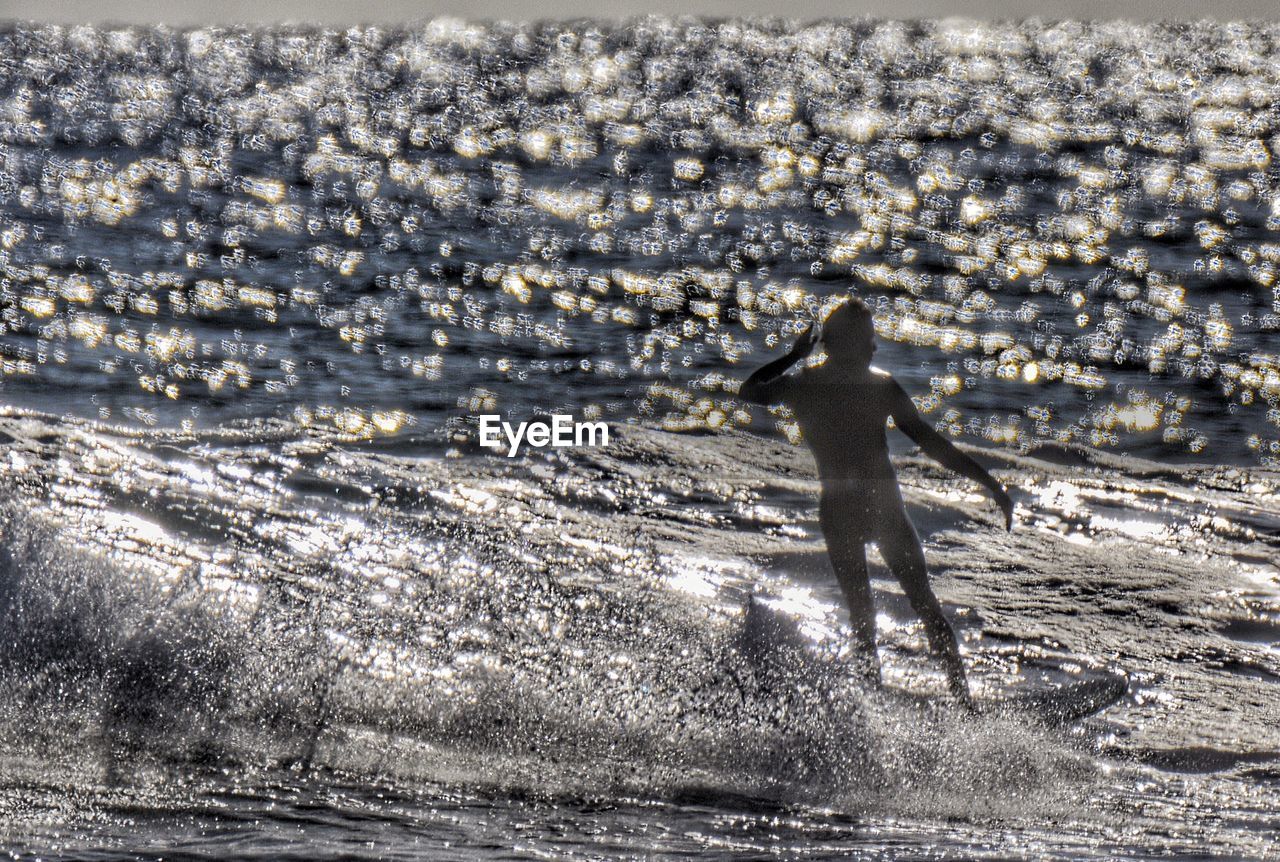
(765, 385)
(940, 449)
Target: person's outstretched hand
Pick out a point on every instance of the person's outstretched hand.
(1005, 502)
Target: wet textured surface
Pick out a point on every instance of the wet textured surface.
(257, 637)
(262, 595)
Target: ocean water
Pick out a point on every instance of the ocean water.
(263, 595)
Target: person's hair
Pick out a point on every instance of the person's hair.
(848, 313)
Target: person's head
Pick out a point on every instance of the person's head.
(848, 333)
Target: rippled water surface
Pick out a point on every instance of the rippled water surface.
(262, 595)
(1066, 228)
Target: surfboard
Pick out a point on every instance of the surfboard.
(1064, 704)
(1053, 707)
(772, 644)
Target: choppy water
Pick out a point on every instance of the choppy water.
(259, 637)
(261, 594)
(1066, 228)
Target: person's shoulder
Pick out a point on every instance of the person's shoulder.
(889, 385)
(884, 379)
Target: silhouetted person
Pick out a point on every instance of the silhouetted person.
(841, 406)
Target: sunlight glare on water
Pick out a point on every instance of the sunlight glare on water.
(260, 588)
(1064, 228)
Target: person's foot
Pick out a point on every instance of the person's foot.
(869, 671)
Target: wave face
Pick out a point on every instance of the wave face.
(257, 631)
(1065, 229)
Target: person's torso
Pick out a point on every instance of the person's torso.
(843, 423)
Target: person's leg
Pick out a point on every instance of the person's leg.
(900, 547)
(848, 555)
